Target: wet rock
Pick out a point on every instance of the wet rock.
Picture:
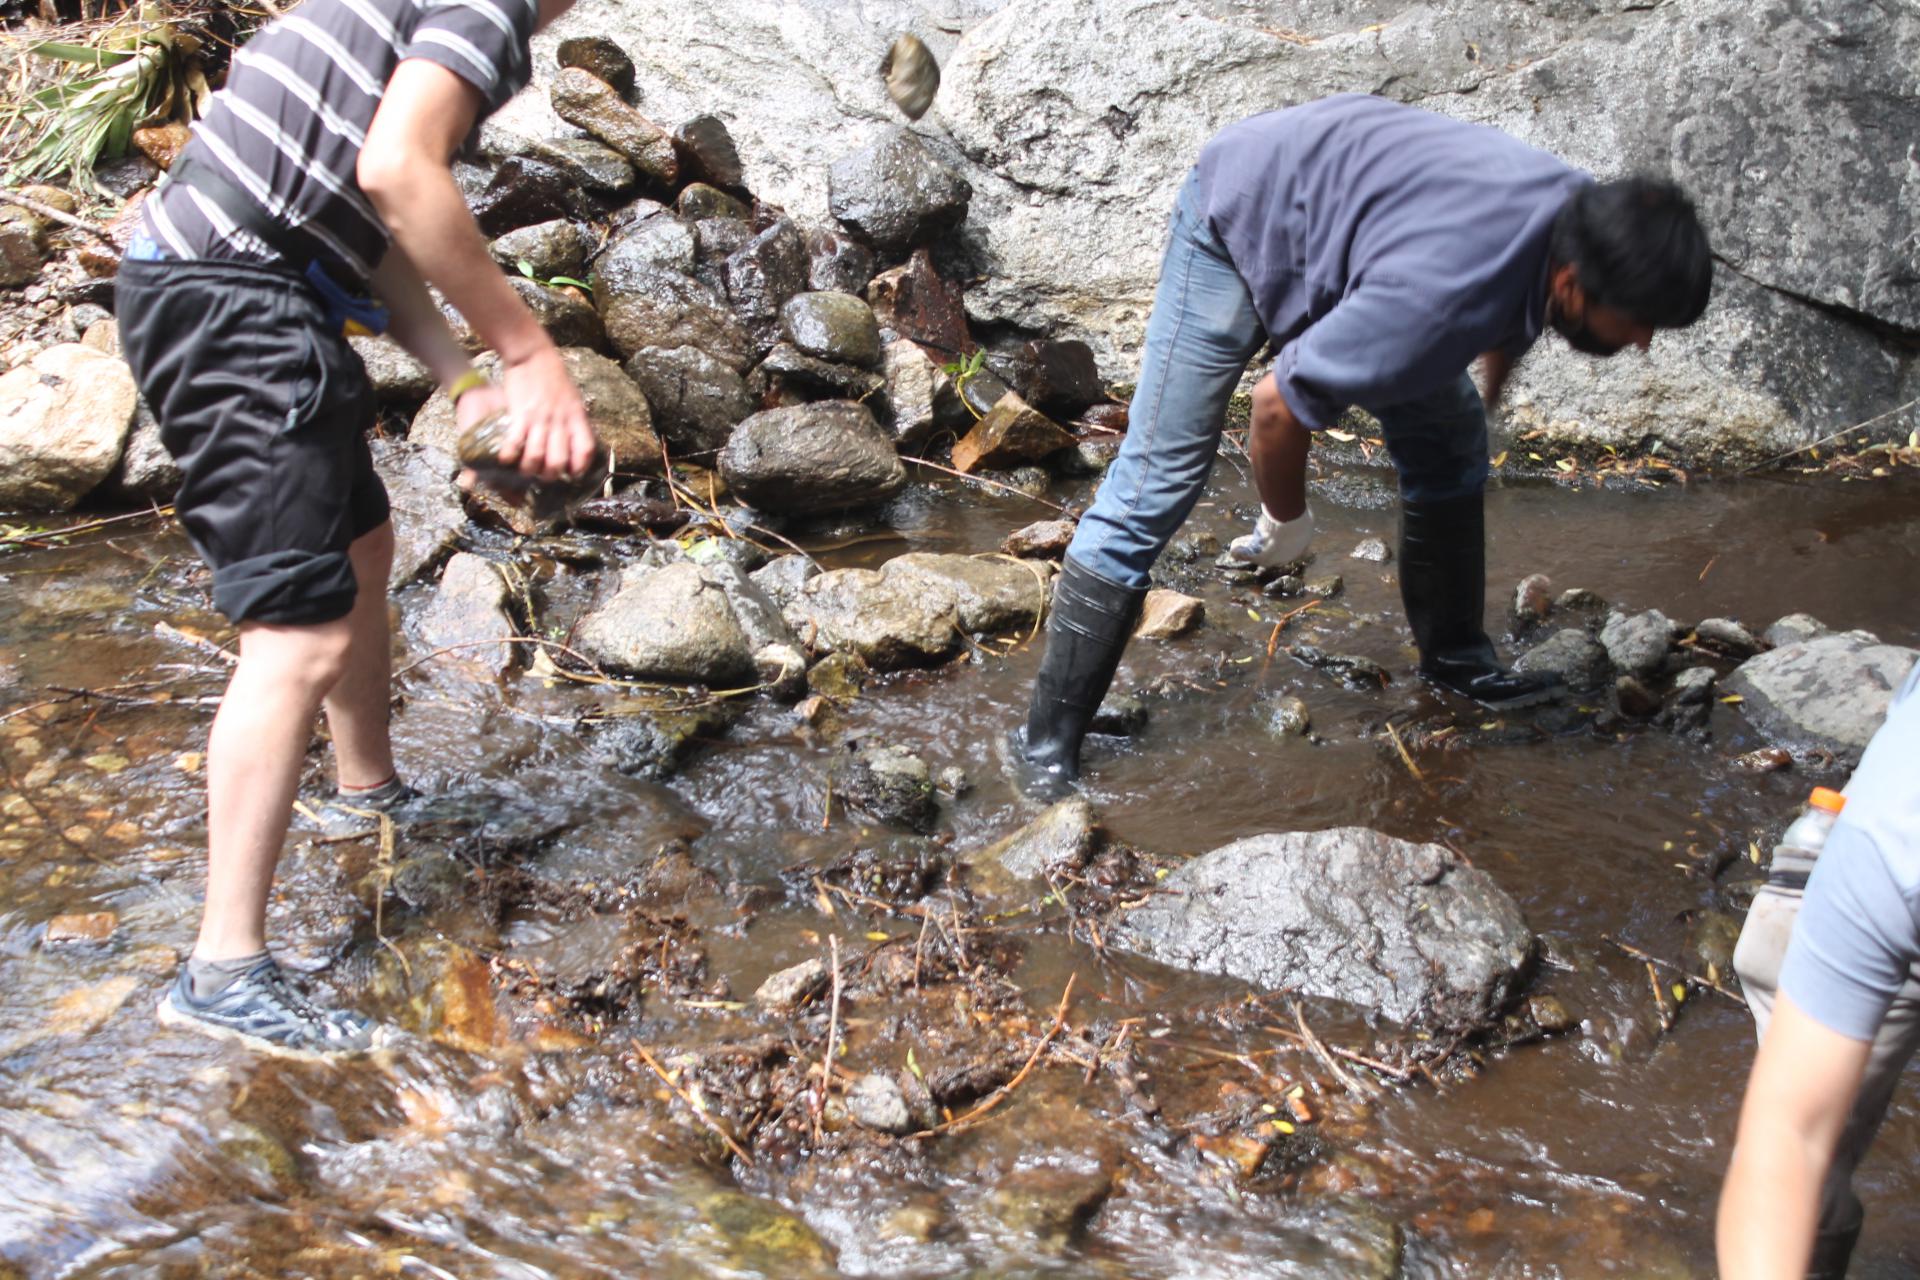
(837, 262)
(668, 624)
(1349, 669)
(887, 622)
(983, 595)
(1324, 586)
(762, 275)
(1042, 540)
(1830, 692)
(124, 175)
(589, 103)
(1765, 760)
(700, 201)
(1065, 837)
(832, 326)
(64, 420)
(714, 241)
(1119, 715)
(838, 676)
(782, 577)
(565, 312)
(876, 1102)
(792, 987)
(1579, 598)
(548, 249)
(661, 308)
(1724, 635)
(887, 783)
(759, 617)
(1795, 628)
(1711, 938)
(786, 366)
(639, 509)
(428, 518)
(1573, 656)
(145, 470)
(588, 163)
(1031, 480)
(696, 400)
(1048, 1208)
(760, 1238)
(1533, 599)
(915, 302)
(1014, 432)
(707, 151)
(646, 245)
(953, 781)
(894, 194)
(601, 58)
(523, 191)
(1288, 717)
(92, 927)
(1637, 643)
(1445, 946)
(1550, 1015)
(809, 458)
(1058, 377)
(1167, 614)
(616, 410)
(782, 671)
(1635, 700)
(1694, 685)
(397, 376)
(468, 611)
(912, 383)
(653, 743)
(1373, 550)
(23, 247)
(972, 398)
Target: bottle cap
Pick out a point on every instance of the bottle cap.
(1826, 798)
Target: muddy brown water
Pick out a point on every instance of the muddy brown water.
(126, 1150)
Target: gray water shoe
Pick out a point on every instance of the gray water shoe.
(261, 1010)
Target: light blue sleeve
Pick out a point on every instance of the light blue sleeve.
(1855, 939)
(1858, 934)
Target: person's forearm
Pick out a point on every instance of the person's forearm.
(414, 319)
(1769, 1209)
(1495, 367)
(422, 206)
(1277, 446)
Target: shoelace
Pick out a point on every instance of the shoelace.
(276, 984)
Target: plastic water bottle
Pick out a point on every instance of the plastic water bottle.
(1800, 845)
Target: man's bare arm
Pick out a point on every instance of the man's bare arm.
(1495, 367)
(1277, 445)
(417, 324)
(1803, 1085)
(405, 169)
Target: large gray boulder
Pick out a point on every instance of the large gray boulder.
(1788, 119)
(1347, 914)
(428, 518)
(812, 457)
(668, 624)
(887, 622)
(468, 617)
(1637, 643)
(64, 418)
(896, 193)
(616, 410)
(984, 594)
(1570, 655)
(663, 308)
(1830, 692)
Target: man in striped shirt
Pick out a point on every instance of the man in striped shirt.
(321, 172)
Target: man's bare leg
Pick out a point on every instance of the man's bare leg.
(357, 706)
(254, 754)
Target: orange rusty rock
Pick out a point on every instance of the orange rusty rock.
(161, 143)
(95, 926)
(1013, 433)
(468, 1016)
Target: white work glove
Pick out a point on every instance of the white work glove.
(1274, 544)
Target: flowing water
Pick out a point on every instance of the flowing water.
(480, 1147)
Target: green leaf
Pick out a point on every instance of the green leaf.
(578, 284)
(80, 53)
(526, 269)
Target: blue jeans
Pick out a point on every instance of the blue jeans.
(1202, 333)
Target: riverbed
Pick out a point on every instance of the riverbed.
(510, 1134)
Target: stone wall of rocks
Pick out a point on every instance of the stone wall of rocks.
(1072, 123)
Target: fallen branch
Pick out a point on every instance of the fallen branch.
(739, 1152)
(1284, 619)
(833, 1041)
(1858, 426)
(1401, 1074)
(85, 526)
(1693, 978)
(1319, 1051)
(991, 484)
(1000, 1095)
(65, 219)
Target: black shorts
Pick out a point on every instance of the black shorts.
(266, 411)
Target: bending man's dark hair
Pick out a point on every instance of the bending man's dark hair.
(1637, 246)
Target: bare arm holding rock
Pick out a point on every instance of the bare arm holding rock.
(406, 171)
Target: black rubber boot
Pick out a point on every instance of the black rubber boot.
(1091, 621)
(1833, 1248)
(1443, 581)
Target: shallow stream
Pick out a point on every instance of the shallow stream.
(493, 1143)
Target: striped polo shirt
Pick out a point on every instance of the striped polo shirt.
(288, 125)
